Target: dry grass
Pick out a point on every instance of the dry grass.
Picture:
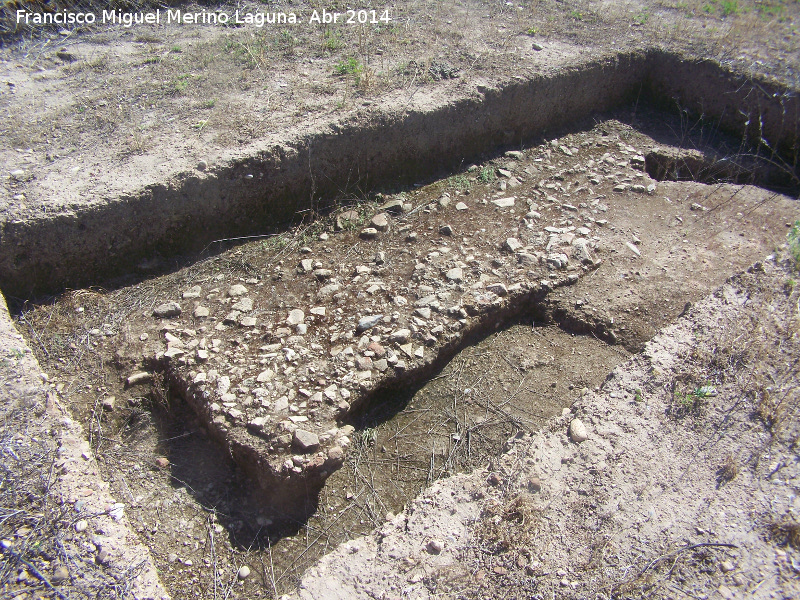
(785, 532)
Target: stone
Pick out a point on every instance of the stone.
(368, 233)
(726, 566)
(534, 484)
(446, 230)
(577, 431)
(237, 290)
(243, 305)
(60, 575)
(633, 249)
(108, 403)
(504, 202)
(423, 313)
(201, 312)
(368, 322)
(138, 378)
(265, 376)
(512, 244)
(202, 165)
(305, 441)
(296, 316)
(323, 274)
(435, 546)
(192, 292)
(581, 252)
(461, 206)
(348, 218)
(497, 288)
(81, 525)
(377, 349)
(306, 265)
(638, 188)
(401, 336)
(456, 275)
(167, 310)
(380, 222)
(162, 462)
(394, 207)
(244, 572)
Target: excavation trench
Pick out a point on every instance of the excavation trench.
(297, 353)
(107, 238)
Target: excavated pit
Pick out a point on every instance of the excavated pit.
(296, 352)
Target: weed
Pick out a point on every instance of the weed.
(728, 470)
(637, 395)
(210, 103)
(531, 31)
(487, 175)
(459, 182)
(794, 243)
(351, 66)
(729, 7)
(641, 18)
(785, 532)
(578, 16)
(176, 49)
(332, 41)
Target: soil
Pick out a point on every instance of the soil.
(136, 108)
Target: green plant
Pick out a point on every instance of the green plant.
(794, 243)
(176, 49)
(459, 182)
(531, 31)
(332, 40)
(351, 66)
(210, 103)
(487, 175)
(637, 395)
(578, 16)
(729, 7)
(641, 18)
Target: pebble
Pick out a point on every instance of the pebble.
(346, 219)
(167, 310)
(202, 165)
(380, 222)
(461, 206)
(577, 431)
(456, 274)
(306, 440)
(368, 322)
(368, 233)
(137, 378)
(504, 202)
(633, 248)
(81, 525)
(435, 547)
(534, 484)
(162, 462)
(60, 575)
(295, 317)
(512, 244)
(244, 572)
(446, 230)
(237, 290)
(537, 46)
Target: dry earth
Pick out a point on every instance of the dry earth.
(606, 255)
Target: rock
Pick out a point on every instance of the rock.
(726, 566)
(577, 431)
(394, 207)
(265, 376)
(379, 350)
(534, 484)
(202, 165)
(461, 206)
(444, 201)
(237, 290)
(167, 310)
(557, 261)
(537, 46)
(162, 462)
(380, 222)
(102, 557)
(456, 275)
(60, 575)
(697, 207)
(108, 403)
(364, 363)
(401, 336)
(243, 305)
(323, 274)
(446, 230)
(435, 547)
(580, 250)
(368, 322)
(620, 187)
(515, 154)
(81, 526)
(512, 244)
(380, 258)
(638, 188)
(504, 202)
(295, 317)
(368, 233)
(138, 378)
(633, 249)
(497, 288)
(423, 313)
(192, 292)
(201, 312)
(494, 479)
(305, 441)
(346, 219)
(244, 572)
